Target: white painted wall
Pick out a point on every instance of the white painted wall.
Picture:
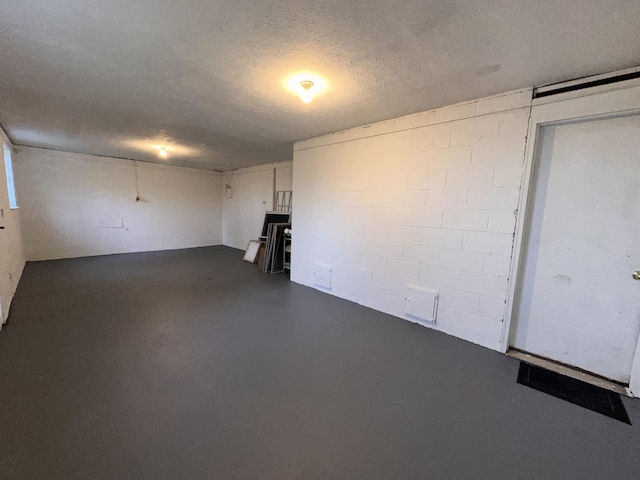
(11, 249)
(427, 199)
(76, 205)
(252, 196)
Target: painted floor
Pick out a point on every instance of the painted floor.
(191, 364)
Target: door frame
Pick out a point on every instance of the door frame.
(606, 101)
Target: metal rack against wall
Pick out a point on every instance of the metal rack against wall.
(286, 253)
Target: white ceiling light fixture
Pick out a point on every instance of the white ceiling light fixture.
(163, 150)
(306, 85)
(306, 94)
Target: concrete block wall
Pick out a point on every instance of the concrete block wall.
(252, 196)
(76, 205)
(429, 200)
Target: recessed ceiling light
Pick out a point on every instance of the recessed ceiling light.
(163, 152)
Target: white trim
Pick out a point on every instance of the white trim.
(634, 381)
(617, 100)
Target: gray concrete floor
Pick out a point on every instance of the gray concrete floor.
(192, 364)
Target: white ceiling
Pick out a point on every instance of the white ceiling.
(112, 77)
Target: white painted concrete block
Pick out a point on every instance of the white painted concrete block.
(420, 217)
(430, 180)
(344, 288)
(354, 274)
(359, 214)
(458, 300)
(478, 325)
(514, 125)
(497, 265)
(378, 249)
(404, 234)
(421, 254)
(475, 131)
(386, 181)
(455, 183)
(445, 199)
(372, 263)
(494, 243)
(361, 230)
(401, 199)
(498, 154)
(472, 220)
(91, 201)
(433, 237)
(475, 177)
(387, 282)
(445, 315)
(402, 269)
(484, 285)
(492, 308)
(502, 222)
(386, 216)
(507, 102)
(430, 138)
(493, 199)
(462, 261)
(455, 112)
(441, 277)
(446, 158)
(508, 176)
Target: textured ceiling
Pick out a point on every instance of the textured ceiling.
(113, 77)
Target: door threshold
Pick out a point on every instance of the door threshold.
(569, 371)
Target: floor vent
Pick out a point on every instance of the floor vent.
(575, 391)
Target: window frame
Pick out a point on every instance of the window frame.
(8, 168)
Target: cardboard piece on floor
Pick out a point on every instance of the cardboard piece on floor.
(251, 254)
(261, 256)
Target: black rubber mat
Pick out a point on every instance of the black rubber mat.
(575, 391)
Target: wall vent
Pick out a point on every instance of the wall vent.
(421, 303)
(322, 275)
(586, 82)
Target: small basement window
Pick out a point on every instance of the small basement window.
(8, 167)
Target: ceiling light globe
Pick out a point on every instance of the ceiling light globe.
(306, 96)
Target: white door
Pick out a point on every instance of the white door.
(577, 302)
